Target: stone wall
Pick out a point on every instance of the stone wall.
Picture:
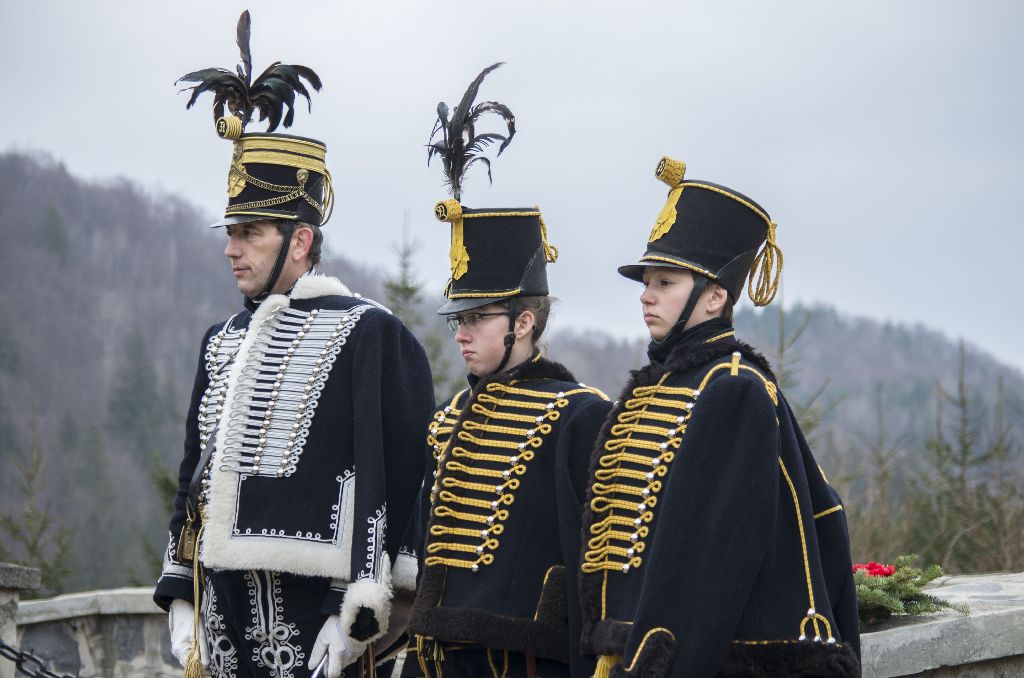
(13, 580)
(989, 643)
(121, 632)
(117, 633)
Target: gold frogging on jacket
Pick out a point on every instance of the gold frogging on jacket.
(465, 530)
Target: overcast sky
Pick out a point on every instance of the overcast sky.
(885, 138)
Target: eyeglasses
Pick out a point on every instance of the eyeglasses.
(469, 320)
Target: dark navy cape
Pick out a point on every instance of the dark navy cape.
(713, 544)
(499, 518)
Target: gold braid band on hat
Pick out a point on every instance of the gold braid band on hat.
(671, 172)
(767, 268)
(451, 211)
(290, 193)
(304, 156)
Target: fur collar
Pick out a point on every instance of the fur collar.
(534, 368)
(314, 285)
(686, 358)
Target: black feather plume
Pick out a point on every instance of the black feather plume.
(269, 95)
(460, 146)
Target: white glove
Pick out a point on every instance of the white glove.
(180, 620)
(336, 644)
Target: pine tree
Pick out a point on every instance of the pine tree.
(811, 411)
(41, 542)
(877, 526)
(1003, 542)
(136, 408)
(402, 290)
(165, 485)
(949, 495)
(53, 233)
(403, 294)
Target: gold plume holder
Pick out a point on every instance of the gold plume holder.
(450, 210)
(671, 172)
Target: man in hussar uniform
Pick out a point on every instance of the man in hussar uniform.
(498, 532)
(303, 441)
(714, 545)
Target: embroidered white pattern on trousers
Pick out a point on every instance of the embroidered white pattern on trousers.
(275, 648)
(223, 655)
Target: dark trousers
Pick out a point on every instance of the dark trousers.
(480, 663)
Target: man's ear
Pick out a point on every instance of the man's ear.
(715, 299)
(302, 241)
(525, 323)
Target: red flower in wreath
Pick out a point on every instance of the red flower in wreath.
(874, 569)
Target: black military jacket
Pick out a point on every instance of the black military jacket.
(314, 403)
(713, 544)
(502, 511)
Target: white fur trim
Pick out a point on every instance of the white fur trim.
(372, 594)
(403, 577)
(314, 285)
(219, 547)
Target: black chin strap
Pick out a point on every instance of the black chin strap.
(510, 337)
(658, 350)
(699, 285)
(282, 255)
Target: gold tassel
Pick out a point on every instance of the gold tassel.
(605, 663)
(550, 251)
(194, 661)
(767, 268)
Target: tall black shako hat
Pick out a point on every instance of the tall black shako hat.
(271, 176)
(715, 232)
(496, 254)
(499, 253)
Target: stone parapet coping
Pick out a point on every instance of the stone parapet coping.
(102, 602)
(994, 629)
(18, 578)
(901, 647)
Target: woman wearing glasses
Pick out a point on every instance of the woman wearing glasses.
(501, 507)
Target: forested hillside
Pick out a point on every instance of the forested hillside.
(106, 290)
